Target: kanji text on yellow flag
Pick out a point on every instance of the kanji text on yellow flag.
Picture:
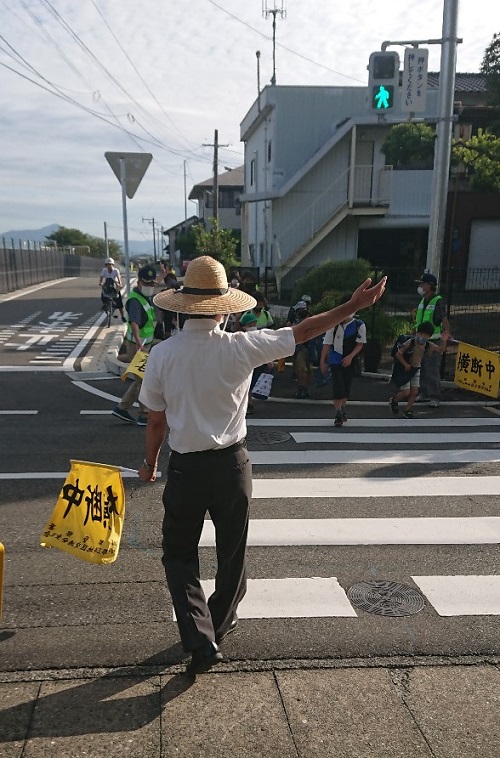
(477, 370)
(87, 520)
(137, 365)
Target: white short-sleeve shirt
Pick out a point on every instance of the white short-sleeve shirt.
(201, 376)
(114, 274)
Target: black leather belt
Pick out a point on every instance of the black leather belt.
(217, 450)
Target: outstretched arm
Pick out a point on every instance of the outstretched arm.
(362, 297)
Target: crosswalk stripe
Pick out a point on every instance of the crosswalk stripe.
(394, 457)
(461, 595)
(291, 598)
(367, 531)
(336, 437)
(375, 422)
(435, 486)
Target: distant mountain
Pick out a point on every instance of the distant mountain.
(33, 235)
(136, 247)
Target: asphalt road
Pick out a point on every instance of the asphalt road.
(58, 611)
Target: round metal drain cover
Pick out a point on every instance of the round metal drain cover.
(267, 437)
(386, 598)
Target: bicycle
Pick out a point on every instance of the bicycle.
(108, 303)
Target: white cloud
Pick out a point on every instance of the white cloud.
(188, 68)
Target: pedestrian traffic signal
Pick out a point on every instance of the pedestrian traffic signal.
(382, 97)
(383, 80)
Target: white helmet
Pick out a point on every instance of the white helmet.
(110, 260)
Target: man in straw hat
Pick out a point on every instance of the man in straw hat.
(199, 380)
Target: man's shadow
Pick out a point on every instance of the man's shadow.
(86, 708)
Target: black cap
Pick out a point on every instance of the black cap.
(147, 274)
(428, 279)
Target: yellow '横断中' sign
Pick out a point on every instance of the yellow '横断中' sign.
(477, 370)
(137, 365)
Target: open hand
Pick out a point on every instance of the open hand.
(364, 295)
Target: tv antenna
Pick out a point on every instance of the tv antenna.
(278, 9)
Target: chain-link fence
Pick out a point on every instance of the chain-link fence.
(24, 266)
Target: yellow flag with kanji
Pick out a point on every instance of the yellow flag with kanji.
(137, 365)
(87, 520)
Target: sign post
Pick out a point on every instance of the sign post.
(129, 168)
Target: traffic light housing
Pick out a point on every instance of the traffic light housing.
(383, 80)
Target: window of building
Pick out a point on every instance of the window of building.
(252, 172)
(269, 152)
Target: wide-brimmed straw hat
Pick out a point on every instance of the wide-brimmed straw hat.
(205, 291)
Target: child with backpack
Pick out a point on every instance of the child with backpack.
(408, 354)
(341, 346)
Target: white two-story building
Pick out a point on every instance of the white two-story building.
(317, 186)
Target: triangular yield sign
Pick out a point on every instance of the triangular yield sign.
(136, 165)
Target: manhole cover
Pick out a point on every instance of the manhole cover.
(265, 437)
(386, 598)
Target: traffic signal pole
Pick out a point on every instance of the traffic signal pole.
(442, 147)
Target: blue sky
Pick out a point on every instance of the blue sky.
(160, 76)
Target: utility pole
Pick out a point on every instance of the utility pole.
(278, 9)
(152, 221)
(443, 137)
(216, 171)
(215, 190)
(185, 193)
(106, 242)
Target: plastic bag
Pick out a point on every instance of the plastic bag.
(262, 387)
(87, 520)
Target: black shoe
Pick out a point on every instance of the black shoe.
(231, 628)
(338, 420)
(394, 406)
(203, 658)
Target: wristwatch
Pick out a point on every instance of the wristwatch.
(148, 465)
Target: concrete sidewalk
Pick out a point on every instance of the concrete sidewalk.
(311, 709)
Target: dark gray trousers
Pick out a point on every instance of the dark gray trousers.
(219, 482)
(430, 375)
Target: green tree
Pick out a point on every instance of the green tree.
(221, 244)
(409, 146)
(328, 282)
(481, 156)
(491, 68)
(66, 237)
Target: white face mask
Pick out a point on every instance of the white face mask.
(251, 329)
(421, 291)
(147, 291)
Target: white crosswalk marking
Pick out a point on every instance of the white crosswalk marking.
(409, 438)
(368, 531)
(312, 597)
(296, 457)
(323, 596)
(435, 486)
(462, 595)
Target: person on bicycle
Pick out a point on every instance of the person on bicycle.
(111, 283)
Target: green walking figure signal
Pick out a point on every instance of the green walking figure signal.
(383, 97)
